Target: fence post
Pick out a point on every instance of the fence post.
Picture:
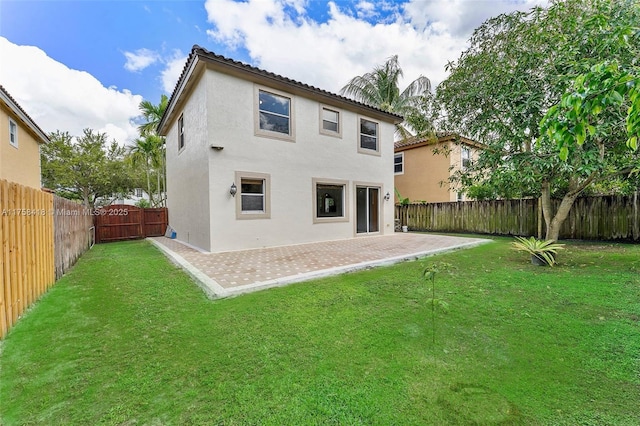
(636, 218)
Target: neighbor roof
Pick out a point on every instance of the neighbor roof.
(416, 142)
(13, 105)
(220, 63)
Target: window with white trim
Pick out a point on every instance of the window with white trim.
(252, 199)
(398, 163)
(274, 114)
(181, 133)
(368, 140)
(13, 133)
(465, 154)
(330, 121)
(330, 200)
(253, 194)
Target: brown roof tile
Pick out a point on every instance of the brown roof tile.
(29, 121)
(212, 57)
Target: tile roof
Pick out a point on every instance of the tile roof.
(440, 137)
(17, 109)
(211, 57)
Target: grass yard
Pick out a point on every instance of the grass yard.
(126, 338)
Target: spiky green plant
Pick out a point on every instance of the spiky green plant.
(544, 250)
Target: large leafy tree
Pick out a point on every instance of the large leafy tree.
(87, 168)
(380, 88)
(551, 92)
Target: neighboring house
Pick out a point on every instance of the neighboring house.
(130, 199)
(255, 159)
(422, 167)
(20, 139)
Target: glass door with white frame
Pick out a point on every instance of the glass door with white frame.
(367, 209)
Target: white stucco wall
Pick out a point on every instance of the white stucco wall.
(188, 173)
(291, 166)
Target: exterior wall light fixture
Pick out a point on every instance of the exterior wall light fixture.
(387, 196)
(233, 190)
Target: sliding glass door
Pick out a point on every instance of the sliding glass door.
(367, 209)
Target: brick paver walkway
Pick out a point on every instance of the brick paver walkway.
(241, 271)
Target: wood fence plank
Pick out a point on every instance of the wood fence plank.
(595, 218)
(5, 291)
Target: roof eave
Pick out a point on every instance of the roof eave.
(23, 116)
(222, 64)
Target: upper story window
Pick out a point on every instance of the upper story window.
(466, 157)
(13, 133)
(274, 114)
(181, 132)
(398, 163)
(368, 140)
(330, 121)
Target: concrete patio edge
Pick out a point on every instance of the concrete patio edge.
(213, 290)
(210, 287)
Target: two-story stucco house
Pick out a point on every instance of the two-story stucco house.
(422, 167)
(255, 160)
(20, 139)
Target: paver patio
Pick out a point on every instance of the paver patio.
(230, 273)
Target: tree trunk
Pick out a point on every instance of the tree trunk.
(85, 198)
(149, 187)
(553, 230)
(545, 199)
(159, 197)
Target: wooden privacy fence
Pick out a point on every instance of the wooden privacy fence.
(42, 237)
(124, 222)
(591, 218)
(73, 225)
(27, 264)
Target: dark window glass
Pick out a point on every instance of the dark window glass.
(275, 112)
(252, 193)
(368, 134)
(330, 200)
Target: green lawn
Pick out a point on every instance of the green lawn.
(126, 338)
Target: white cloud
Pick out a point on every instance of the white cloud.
(174, 65)
(461, 17)
(140, 59)
(59, 98)
(425, 35)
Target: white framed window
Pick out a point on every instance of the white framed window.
(465, 155)
(368, 138)
(460, 196)
(181, 140)
(274, 114)
(138, 192)
(330, 200)
(253, 197)
(398, 163)
(330, 121)
(13, 133)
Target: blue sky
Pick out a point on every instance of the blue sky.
(88, 63)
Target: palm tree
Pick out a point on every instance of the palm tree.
(380, 89)
(152, 114)
(148, 152)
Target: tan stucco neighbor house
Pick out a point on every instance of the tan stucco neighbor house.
(422, 166)
(20, 139)
(255, 159)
